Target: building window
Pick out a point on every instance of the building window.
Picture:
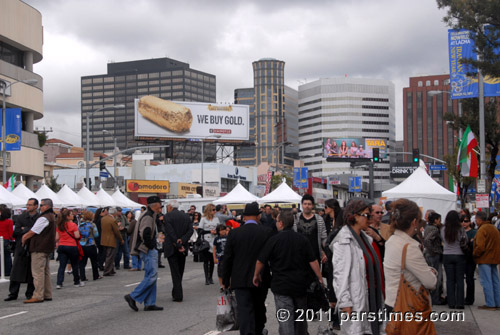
(420, 84)
(436, 82)
(427, 83)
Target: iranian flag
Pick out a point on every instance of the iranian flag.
(9, 185)
(453, 185)
(466, 158)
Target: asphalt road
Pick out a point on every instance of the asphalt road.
(99, 308)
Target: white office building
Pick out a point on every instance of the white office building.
(345, 108)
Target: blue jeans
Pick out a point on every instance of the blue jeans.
(67, 253)
(136, 262)
(7, 259)
(454, 265)
(122, 248)
(488, 277)
(146, 291)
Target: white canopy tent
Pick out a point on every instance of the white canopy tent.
(10, 200)
(45, 192)
(70, 198)
(282, 193)
(122, 200)
(24, 193)
(238, 195)
(427, 193)
(91, 200)
(105, 200)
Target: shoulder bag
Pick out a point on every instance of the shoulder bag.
(411, 301)
(200, 245)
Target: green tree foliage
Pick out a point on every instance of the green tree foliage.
(277, 179)
(53, 185)
(42, 138)
(473, 15)
(470, 116)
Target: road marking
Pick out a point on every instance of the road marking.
(139, 283)
(8, 316)
(213, 332)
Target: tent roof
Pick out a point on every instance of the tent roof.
(282, 194)
(105, 199)
(9, 199)
(122, 200)
(45, 192)
(238, 195)
(70, 198)
(91, 200)
(420, 185)
(24, 193)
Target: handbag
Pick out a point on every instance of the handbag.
(317, 298)
(464, 244)
(80, 249)
(200, 245)
(410, 300)
(227, 317)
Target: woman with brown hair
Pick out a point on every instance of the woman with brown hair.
(88, 232)
(67, 236)
(357, 271)
(405, 219)
(207, 229)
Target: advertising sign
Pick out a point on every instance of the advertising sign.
(355, 184)
(300, 177)
(482, 200)
(13, 129)
(184, 189)
(402, 170)
(211, 191)
(155, 117)
(268, 181)
(461, 46)
(338, 149)
(148, 186)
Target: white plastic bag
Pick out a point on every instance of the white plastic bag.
(227, 317)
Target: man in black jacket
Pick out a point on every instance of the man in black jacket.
(21, 269)
(240, 256)
(178, 228)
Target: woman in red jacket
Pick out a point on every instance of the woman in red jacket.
(67, 236)
(6, 231)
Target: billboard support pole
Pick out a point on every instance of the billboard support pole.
(371, 183)
(481, 127)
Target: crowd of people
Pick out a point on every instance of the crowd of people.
(355, 257)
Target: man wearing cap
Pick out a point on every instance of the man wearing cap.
(240, 256)
(144, 241)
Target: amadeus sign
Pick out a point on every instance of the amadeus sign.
(402, 171)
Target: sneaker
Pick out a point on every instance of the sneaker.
(69, 272)
(58, 287)
(80, 284)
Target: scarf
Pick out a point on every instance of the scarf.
(374, 276)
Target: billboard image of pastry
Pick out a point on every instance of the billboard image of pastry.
(159, 118)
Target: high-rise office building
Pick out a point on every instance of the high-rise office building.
(126, 81)
(273, 116)
(336, 108)
(21, 44)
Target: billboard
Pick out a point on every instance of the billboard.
(402, 170)
(158, 118)
(148, 186)
(339, 149)
(461, 46)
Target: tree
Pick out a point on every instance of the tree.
(278, 179)
(473, 15)
(53, 185)
(42, 138)
(464, 183)
(470, 116)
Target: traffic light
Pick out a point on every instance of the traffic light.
(416, 156)
(376, 155)
(102, 165)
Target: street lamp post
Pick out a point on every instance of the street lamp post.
(87, 150)
(6, 85)
(203, 160)
(115, 169)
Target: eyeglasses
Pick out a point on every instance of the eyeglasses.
(466, 221)
(378, 212)
(214, 210)
(366, 215)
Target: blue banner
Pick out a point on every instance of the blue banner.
(355, 184)
(13, 125)
(461, 46)
(300, 176)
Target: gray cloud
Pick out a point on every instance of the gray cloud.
(387, 39)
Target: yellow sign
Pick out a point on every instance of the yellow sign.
(185, 189)
(148, 186)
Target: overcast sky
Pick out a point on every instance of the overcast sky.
(388, 39)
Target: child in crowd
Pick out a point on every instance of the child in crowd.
(218, 252)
